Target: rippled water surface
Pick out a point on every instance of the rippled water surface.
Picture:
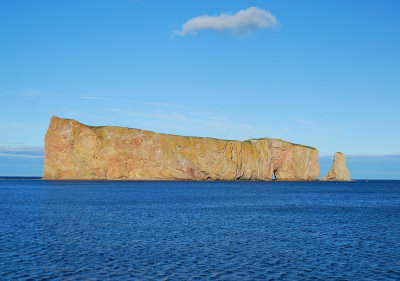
(199, 230)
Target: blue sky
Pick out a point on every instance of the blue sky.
(324, 73)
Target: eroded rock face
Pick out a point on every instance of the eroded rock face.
(77, 151)
(339, 171)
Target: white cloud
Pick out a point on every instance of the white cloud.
(32, 93)
(22, 155)
(92, 98)
(244, 21)
(305, 122)
(22, 148)
(364, 156)
(21, 151)
(190, 123)
(162, 104)
(17, 126)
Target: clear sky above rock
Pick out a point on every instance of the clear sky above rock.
(320, 73)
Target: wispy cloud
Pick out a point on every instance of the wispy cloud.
(244, 21)
(305, 122)
(150, 103)
(366, 156)
(92, 98)
(191, 123)
(31, 93)
(21, 151)
(18, 126)
(162, 104)
(21, 155)
(21, 148)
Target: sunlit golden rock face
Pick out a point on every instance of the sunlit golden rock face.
(77, 151)
(339, 171)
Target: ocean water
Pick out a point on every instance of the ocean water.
(76, 230)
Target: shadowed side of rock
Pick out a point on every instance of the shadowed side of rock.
(339, 171)
(77, 151)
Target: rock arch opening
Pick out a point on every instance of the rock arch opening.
(273, 174)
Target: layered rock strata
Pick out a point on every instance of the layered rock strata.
(77, 151)
(339, 171)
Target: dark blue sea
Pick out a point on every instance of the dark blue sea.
(79, 230)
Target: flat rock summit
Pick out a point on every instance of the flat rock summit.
(77, 151)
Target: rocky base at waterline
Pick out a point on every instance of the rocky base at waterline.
(77, 151)
(339, 171)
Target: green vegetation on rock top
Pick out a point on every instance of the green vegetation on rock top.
(245, 141)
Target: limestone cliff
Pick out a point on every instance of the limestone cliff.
(77, 151)
(339, 171)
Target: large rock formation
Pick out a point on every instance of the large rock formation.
(339, 171)
(77, 151)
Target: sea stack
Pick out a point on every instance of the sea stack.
(75, 151)
(339, 171)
